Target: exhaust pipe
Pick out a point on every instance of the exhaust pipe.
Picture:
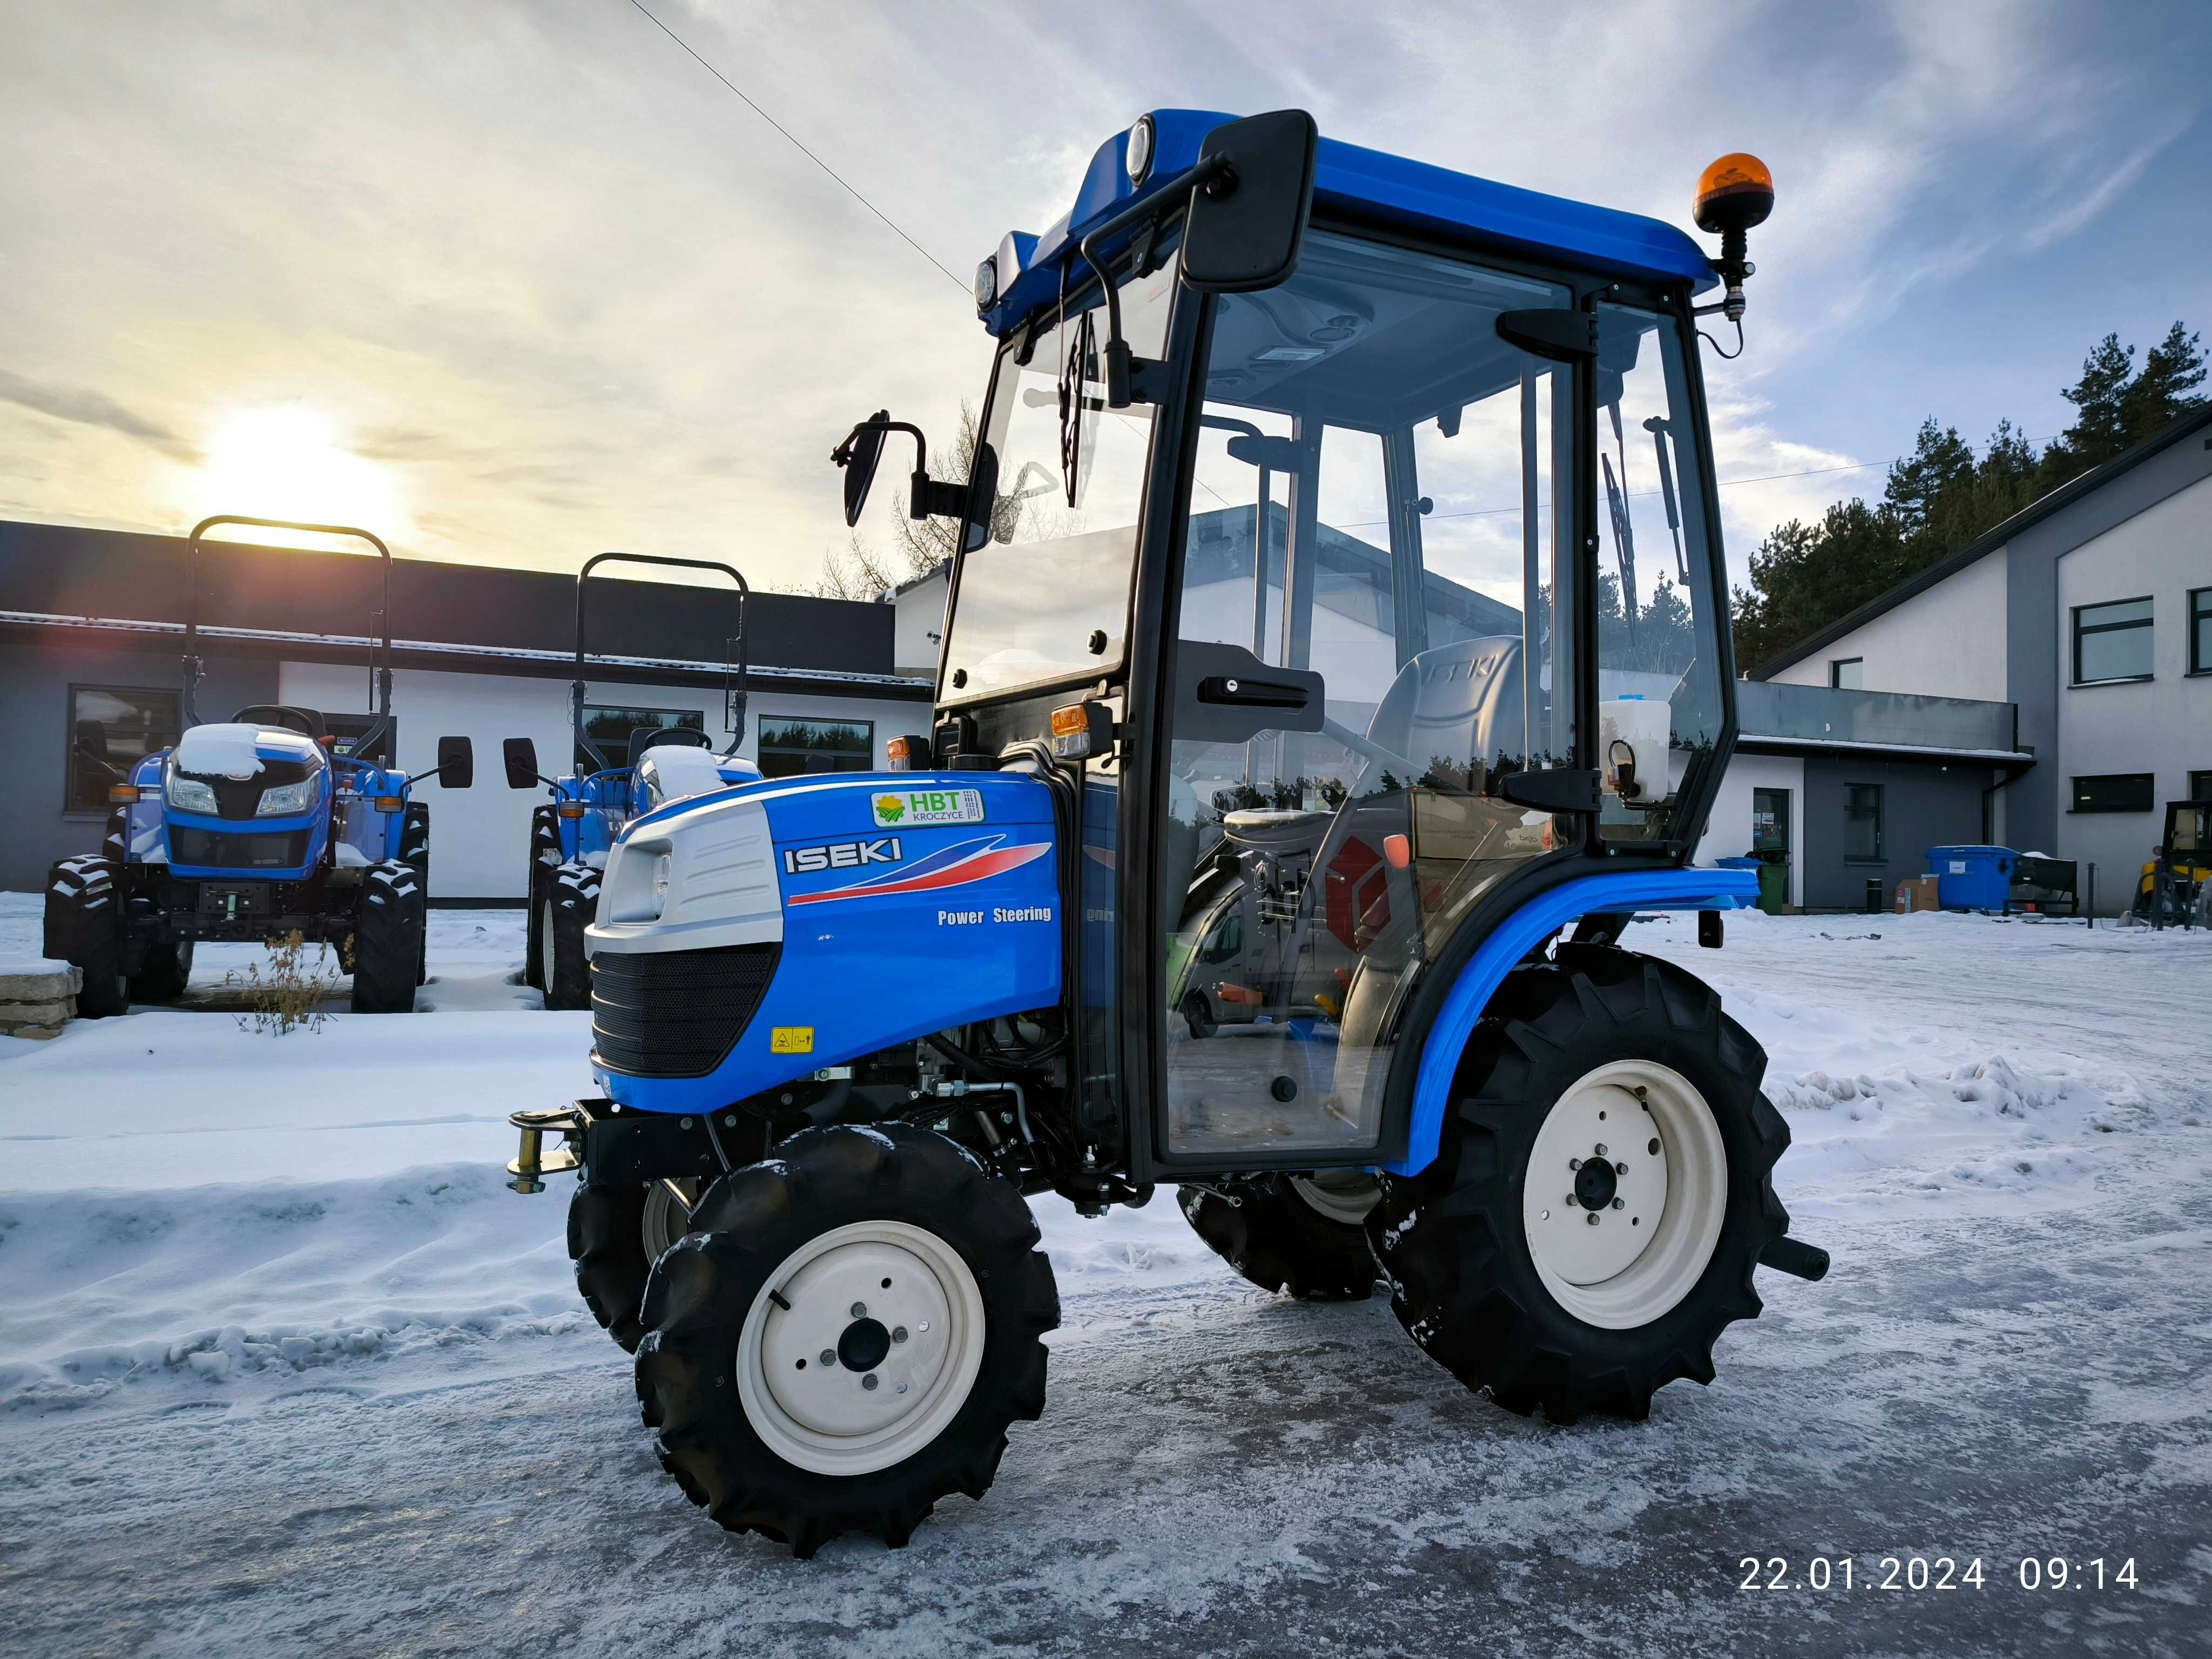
(1793, 1255)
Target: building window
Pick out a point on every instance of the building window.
(1847, 673)
(609, 726)
(788, 747)
(2200, 786)
(133, 724)
(1863, 823)
(2200, 631)
(2116, 792)
(2111, 642)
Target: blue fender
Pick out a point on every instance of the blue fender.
(1542, 916)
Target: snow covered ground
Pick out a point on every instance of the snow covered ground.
(284, 1367)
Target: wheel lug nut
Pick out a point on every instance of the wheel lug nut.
(1621, 1169)
(898, 1333)
(829, 1356)
(1593, 1217)
(1601, 1149)
(1619, 1203)
(869, 1381)
(860, 1310)
(1574, 1164)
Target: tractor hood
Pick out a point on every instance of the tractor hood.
(757, 935)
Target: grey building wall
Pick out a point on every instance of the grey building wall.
(34, 740)
(1925, 805)
(2037, 645)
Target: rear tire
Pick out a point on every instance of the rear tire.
(544, 858)
(83, 926)
(1499, 1282)
(387, 939)
(781, 1266)
(616, 1233)
(1295, 1235)
(167, 970)
(572, 899)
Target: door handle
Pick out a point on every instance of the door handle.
(1245, 692)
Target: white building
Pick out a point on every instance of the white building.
(2091, 611)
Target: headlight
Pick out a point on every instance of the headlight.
(662, 867)
(286, 798)
(1137, 156)
(188, 794)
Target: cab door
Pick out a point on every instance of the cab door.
(1354, 669)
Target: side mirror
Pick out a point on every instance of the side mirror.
(521, 758)
(1248, 220)
(860, 455)
(456, 763)
(92, 741)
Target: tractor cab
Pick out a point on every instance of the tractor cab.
(1379, 525)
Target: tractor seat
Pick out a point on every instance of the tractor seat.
(643, 738)
(1456, 704)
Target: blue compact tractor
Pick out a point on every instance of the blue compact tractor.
(252, 830)
(1308, 732)
(570, 833)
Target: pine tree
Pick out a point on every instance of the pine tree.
(1941, 496)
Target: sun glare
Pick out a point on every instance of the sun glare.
(285, 462)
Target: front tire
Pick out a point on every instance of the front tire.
(1301, 1236)
(387, 939)
(572, 899)
(83, 927)
(845, 1335)
(1522, 1275)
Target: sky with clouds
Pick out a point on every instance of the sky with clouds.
(554, 289)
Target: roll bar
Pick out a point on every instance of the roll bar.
(380, 676)
(576, 685)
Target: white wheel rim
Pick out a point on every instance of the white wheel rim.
(830, 1419)
(545, 952)
(1634, 1259)
(1344, 1196)
(665, 1221)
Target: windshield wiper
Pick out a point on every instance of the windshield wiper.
(1659, 428)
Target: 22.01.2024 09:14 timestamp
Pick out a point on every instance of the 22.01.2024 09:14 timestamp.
(1939, 1572)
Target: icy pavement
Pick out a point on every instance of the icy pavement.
(283, 1368)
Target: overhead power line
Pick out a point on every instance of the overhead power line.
(843, 183)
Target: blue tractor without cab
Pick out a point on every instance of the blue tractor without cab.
(252, 830)
(1297, 644)
(570, 833)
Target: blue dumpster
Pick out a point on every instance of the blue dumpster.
(1972, 878)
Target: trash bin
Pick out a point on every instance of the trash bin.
(1972, 877)
(1773, 885)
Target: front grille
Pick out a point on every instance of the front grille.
(220, 849)
(675, 1013)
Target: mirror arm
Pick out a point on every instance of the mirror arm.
(1130, 379)
(842, 455)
